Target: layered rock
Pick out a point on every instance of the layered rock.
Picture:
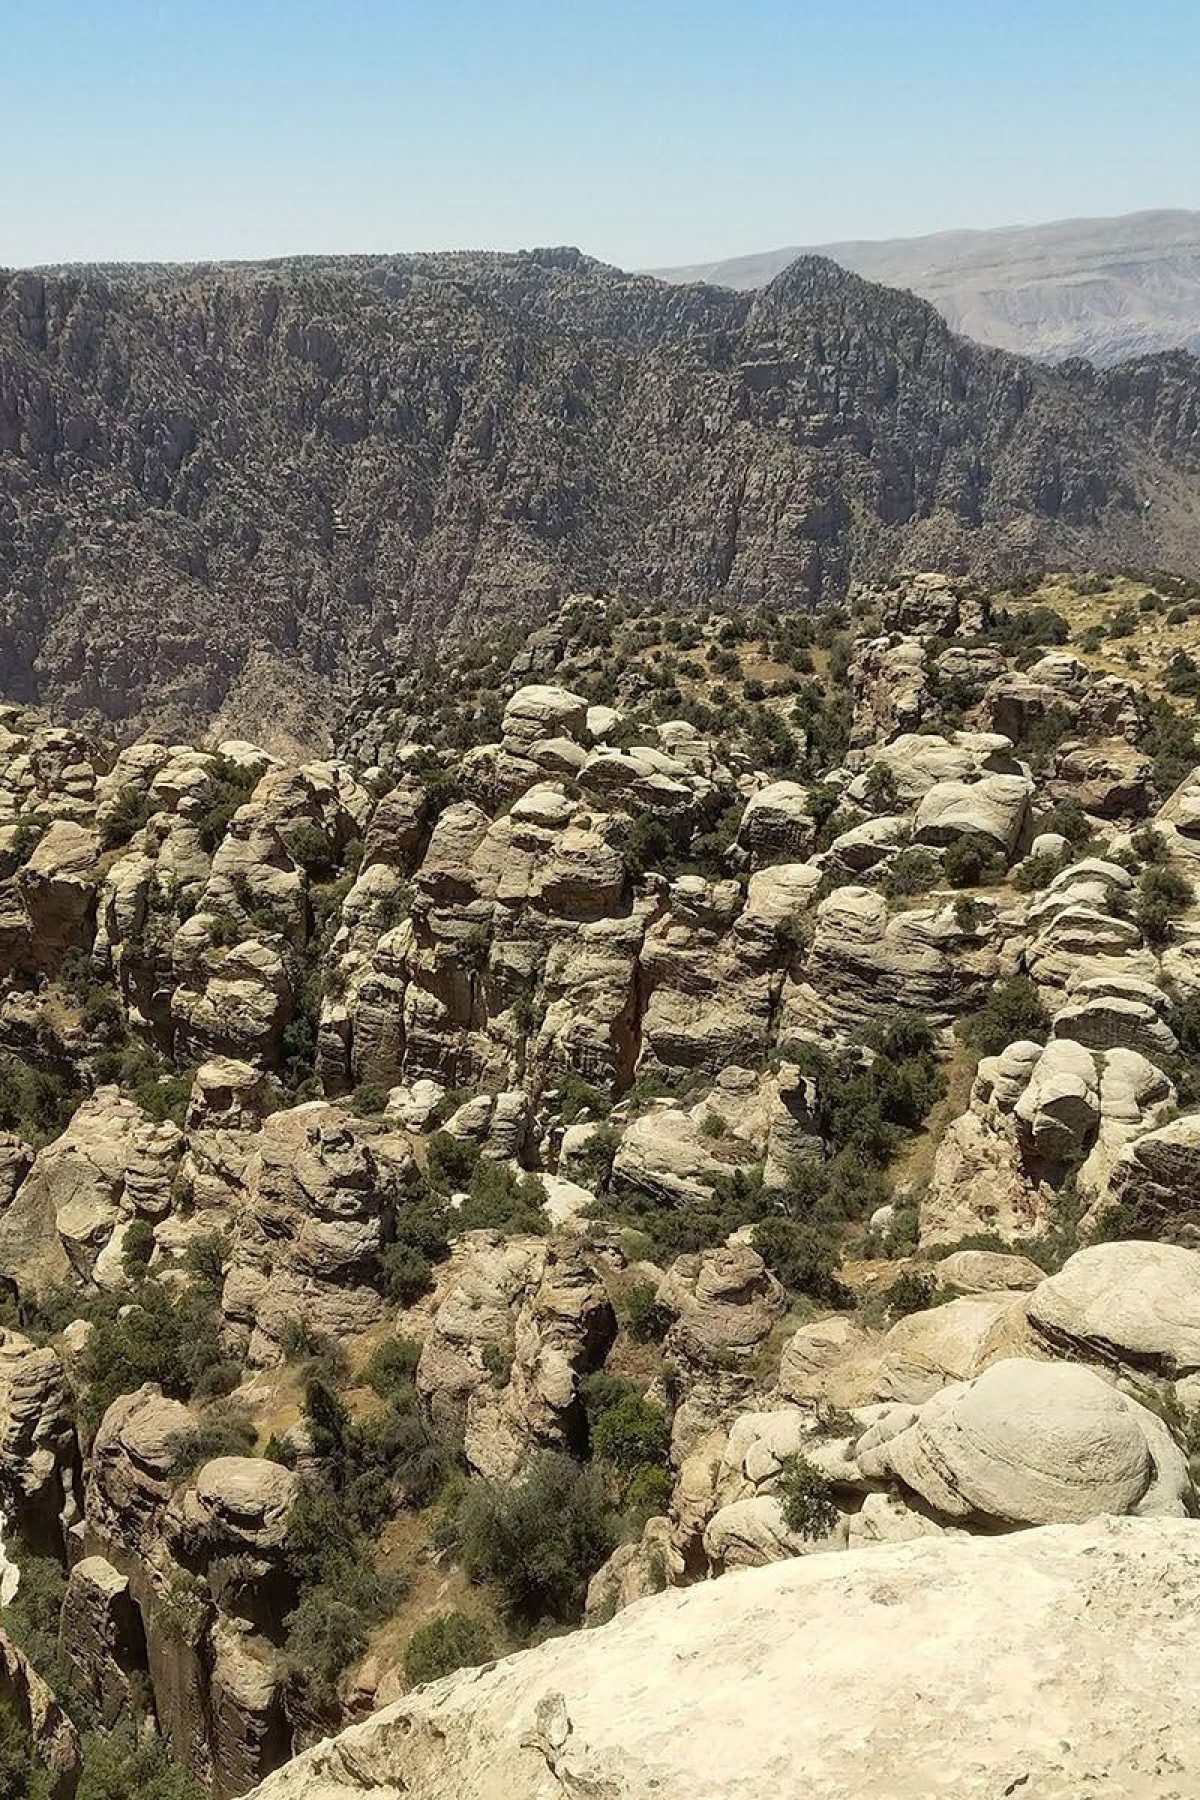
(319, 1206)
(517, 1325)
(1030, 1443)
(67, 1221)
(195, 1574)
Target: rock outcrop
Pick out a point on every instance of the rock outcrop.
(707, 1694)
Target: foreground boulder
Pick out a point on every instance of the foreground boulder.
(788, 1679)
(1030, 1443)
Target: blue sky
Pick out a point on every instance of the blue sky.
(647, 133)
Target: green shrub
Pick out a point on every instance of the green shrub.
(22, 1774)
(805, 1258)
(137, 1247)
(129, 812)
(341, 1593)
(129, 1764)
(326, 1633)
(1013, 1010)
(1184, 1020)
(451, 1641)
(1163, 894)
(647, 1493)
(1169, 737)
(450, 1162)
(205, 1257)
(1150, 845)
(538, 1540)
(37, 1104)
(1068, 820)
(369, 1099)
(168, 1335)
(161, 1091)
(301, 1340)
(970, 860)
(592, 1164)
(309, 847)
(475, 948)
(498, 1200)
(641, 1314)
(405, 1273)
(392, 1369)
(574, 1097)
(226, 1428)
(31, 1618)
(630, 1433)
(232, 786)
(914, 871)
(652, 844)
(377, 1463)
(910, 1293)
(102, 1015)
(807, 1499)
(1033, 627)
(880, 787)
(1038, 871)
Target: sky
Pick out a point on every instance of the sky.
(648, 134)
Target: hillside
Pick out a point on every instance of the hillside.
(673, 1094)
(1105, 289)
(230, 496)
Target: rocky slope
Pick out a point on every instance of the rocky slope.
(231, 493)
(1105, 289)
(669, 1096)
(864, 1672)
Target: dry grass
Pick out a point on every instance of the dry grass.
(914, 1163)
(1153, 641)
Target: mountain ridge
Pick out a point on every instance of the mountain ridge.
(1107, 289)
(233, 496)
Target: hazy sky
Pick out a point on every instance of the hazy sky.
(648, 133)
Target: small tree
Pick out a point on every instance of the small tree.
(807, 1498)
(538, 1540)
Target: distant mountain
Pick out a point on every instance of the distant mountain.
(231, 492)
(1106, 289)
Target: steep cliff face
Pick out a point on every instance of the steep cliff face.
(229, 492)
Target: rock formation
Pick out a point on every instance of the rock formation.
(709, 1693)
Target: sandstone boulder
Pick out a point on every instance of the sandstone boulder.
(1031, 1443)
(320, 1199)
(57, 886)
(723, 1302)
(988, 1271)
(994, 807)
(1128, 1302)
(776, 826)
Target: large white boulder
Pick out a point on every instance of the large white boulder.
(1030, 1443)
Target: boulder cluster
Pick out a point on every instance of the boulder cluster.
(835, 1113)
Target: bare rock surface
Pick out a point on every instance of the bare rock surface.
(746, 1685)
